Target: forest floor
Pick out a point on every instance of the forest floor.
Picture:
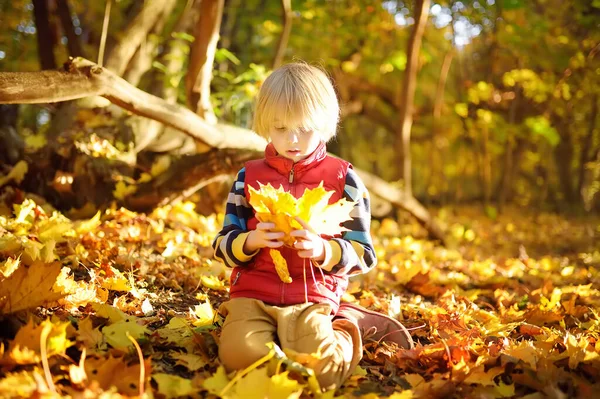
(509, 308)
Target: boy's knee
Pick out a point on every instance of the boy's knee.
(241, 354)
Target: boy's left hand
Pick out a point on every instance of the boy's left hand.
(309, 244)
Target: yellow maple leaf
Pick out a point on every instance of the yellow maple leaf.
(116, 372)
(9, 266)
(85, 226)
(109, 312)
(257, 384)
(55, 228)
(172, 386)
(280, 266)
(282, 386)
(123, 190)
(212, 282)
(89, 335)
(204, 314)
(313, 201)
(116, 334)
(280, 207)
(17, 173)
(78, 293)
(28, 287)
(217, 382)
(22, 384)
(116, 282)
(24, 212)
(26, 347)
(190, 361)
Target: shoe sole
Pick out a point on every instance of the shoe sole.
(401, 328)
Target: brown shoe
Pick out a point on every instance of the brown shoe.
(376, 326)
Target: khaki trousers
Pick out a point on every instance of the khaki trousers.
(305, 328)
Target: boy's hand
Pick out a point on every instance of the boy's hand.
(263, 237)
(309, 244)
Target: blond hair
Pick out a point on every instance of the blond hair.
(297, 96)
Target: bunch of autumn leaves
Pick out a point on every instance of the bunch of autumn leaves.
(283, 209)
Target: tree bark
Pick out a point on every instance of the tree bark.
(563, 156)
(285, 34)
(407, 93)
(173, 58)
(202, 56)
(505, 188)
(229, 26)
(585, 148)
(144, 55)
(486, 165)
(64, 13)
(84, 78)
(434, 160)
(44, 35)
(135, 33)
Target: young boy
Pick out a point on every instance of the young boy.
(298, 112)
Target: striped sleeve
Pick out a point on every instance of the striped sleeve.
(354, 252)
(229, 243)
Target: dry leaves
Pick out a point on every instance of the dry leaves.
(490, 319)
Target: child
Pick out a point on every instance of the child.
(298, 111)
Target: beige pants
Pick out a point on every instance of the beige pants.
(305, 328)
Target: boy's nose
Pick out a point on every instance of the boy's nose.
(293, 137)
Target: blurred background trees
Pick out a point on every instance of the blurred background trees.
(506, 96)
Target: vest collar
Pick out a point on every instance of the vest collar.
(284, 165)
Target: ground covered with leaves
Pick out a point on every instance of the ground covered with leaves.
(124, 304)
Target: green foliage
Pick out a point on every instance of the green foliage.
(521, 78)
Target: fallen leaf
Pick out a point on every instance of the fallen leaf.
(28, 287)
(217, 381)
(190, 361)
(173, 386)
(116, 334)
(116, 372)
(17, 173)
(25, 348)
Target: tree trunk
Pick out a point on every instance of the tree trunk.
(202, 56)
(285, 34)
(84, 78)
(144, 55)
(506, 183)
(175, 54)
(486, 170)
(229, 28)
(73, 44)
(44, 36)
(134, 34)
(153, 136)
(585, 149)
(407, 95)
(436, 155)
(563, 156)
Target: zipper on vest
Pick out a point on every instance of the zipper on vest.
(237, 277)
(291, 177)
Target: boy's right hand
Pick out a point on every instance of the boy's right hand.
(263, 237)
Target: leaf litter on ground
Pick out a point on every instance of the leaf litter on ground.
(508, 309)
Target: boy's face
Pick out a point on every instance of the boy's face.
(295, 144)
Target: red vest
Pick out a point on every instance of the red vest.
(259, 279)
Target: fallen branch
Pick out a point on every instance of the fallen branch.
(81, 78)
